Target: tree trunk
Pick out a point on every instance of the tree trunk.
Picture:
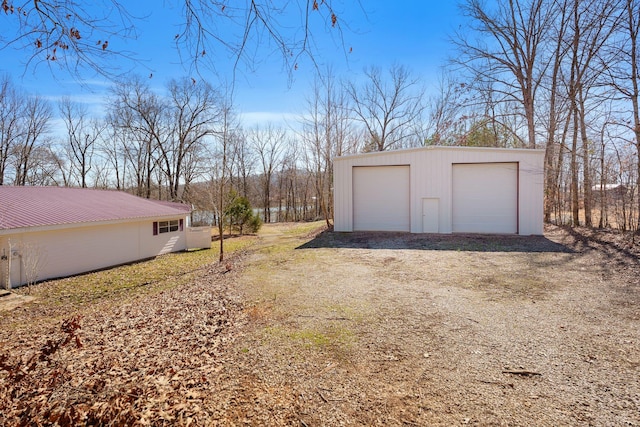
(586, 166)
(575, 196)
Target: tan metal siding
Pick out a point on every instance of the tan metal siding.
(342, 196)
(531, 195)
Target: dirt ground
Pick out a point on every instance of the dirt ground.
(330, 329)
(396, 329)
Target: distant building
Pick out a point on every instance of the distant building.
(612, 190)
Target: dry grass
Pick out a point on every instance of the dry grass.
(69, 296)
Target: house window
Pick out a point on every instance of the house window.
(160, 227)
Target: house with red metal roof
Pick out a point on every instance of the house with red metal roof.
(51, 232)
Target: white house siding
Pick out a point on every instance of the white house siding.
(199, 237)
(78, 249)
(431, 173)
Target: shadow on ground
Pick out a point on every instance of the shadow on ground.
(619, 247)
(435, 242)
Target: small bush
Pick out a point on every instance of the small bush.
(240, 214)
(254, 223)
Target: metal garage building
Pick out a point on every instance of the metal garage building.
(440, 190)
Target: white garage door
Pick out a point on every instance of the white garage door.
(381, 198)
(485, 198)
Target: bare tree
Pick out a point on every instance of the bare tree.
(37, 115)
(82, 135)
(225, 135)
(195, 166)
(193, 111)
(33, 260)
(11, 110)
(287, 194)
(510, 50)
(555, 107)
(77, 34)
(244, 163)
(591, 25)
(388, 109)
(624, 72)
(141, 114)
(490, 120)
(328, 132)
(268, 144)
(112, 147)
(72, 34)
(43, 166)
(446, 110)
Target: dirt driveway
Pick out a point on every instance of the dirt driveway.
(396, 329)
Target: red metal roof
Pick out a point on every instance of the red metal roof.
(46, 206)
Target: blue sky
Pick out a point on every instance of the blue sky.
(380, 33)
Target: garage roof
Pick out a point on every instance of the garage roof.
(22, 207)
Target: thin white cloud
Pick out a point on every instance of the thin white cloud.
(263, 118)
(94, 102)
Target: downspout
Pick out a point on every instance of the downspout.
(9, 266)
(4, 258)
(21, 277)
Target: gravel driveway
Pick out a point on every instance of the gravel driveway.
(397, 329)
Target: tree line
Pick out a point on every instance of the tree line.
(185, 142)
(558, 75)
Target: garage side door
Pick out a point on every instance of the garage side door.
(381, 198)
(485, 198)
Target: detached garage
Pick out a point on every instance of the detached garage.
(440, 190)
